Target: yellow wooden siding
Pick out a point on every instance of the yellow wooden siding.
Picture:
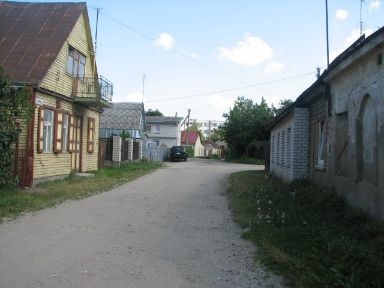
(90, 159)
(57, 78)
(49, 164)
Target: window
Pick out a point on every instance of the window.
(283, 148)
(288, 156)
(157, 128)
(75, 63)
(53, 131)
(278, 149)
(91, 134)
(64, 136)
(321, 145)
(46, 118)
(148, 128)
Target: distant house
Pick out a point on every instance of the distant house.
(333, 134)
(48, 46)
(212, 148)
(123, 118)
(164, 131)
(207, 127)
(192, 138)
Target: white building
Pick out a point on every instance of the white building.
(207, 127)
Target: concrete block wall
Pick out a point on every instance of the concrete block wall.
(289, 146)
(301, 142)
(281, 156)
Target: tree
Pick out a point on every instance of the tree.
(217, 134)
(151, 112)
(283, 104)
(15, 109)
(246, 126)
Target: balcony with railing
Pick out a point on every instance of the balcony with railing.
(95, 92)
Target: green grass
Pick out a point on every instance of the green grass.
(14, 201)
(307, 233)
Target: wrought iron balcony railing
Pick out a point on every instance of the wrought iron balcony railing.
(93, 91)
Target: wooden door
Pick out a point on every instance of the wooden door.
(76, 152)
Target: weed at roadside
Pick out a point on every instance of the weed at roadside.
(307, 233)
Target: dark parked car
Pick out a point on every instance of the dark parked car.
(178, 153)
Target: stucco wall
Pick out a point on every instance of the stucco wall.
(358, 104)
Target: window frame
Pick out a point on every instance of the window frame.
(48, 130)
(65, 132)
(76, 63)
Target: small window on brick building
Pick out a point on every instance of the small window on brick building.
(288, 148)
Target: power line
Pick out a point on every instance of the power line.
(177, 51)
(233, 89)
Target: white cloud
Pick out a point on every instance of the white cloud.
(273, 67)
(165, 41)
(135, 97)
(341, 14)
(375, 4)
(248, 52)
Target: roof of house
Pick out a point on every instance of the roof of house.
(32, 35)
(163, 120)
(192, 137)
(123, 115)
(320, 86)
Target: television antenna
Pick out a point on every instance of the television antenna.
(361, 18)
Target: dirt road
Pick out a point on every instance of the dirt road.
(171, 228)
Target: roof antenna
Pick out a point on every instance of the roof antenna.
(361, 20)
(97, 24)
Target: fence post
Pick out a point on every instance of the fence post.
(116, 152)
(140, 149)
(130, 149)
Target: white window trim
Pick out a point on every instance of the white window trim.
(48, 130)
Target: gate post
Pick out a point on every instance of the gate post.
(130, 149)
(140, 149)
(116, 151)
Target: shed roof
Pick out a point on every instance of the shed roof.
(123, 115)
(32, 35)
(192, 137)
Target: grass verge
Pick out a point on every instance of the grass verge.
(307, 233)
(15, 201)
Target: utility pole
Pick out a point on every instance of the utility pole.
(209, 130)
(143, 86)
(95, 49)
(326, 20)
(189, 113)
(361, 19)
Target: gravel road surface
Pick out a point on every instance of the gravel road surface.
(170, 228)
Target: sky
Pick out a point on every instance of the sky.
(201, 55)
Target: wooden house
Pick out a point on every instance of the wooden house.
(48, 47)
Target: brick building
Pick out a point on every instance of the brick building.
(333, 134)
